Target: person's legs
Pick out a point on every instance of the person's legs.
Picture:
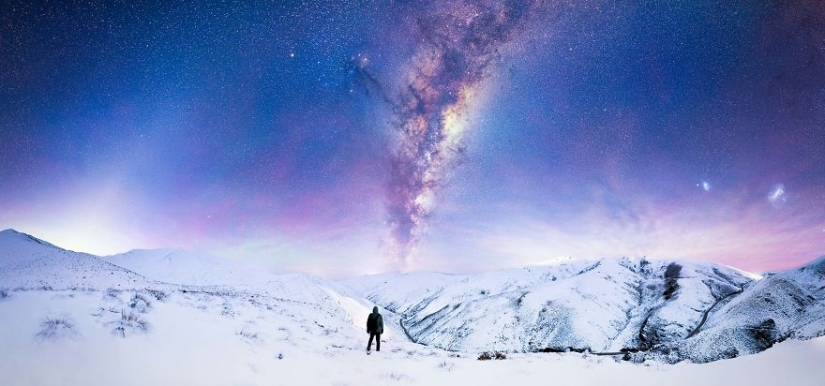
(369, 344)
(377, 342)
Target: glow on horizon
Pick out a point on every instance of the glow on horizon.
(514, 242)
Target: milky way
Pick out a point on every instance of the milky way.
(459, 42)
(326, 135)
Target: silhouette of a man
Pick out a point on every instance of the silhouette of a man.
(375, 327)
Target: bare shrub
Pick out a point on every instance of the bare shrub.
(158, 294)
(4, 294)
(672, 280)
(226, 309)
(447, 366)
(398, 376)
(140, 303)
(112, 293)
(100, 311)
(488, 355)
(129, 323)
(54, 328)
(249, 335)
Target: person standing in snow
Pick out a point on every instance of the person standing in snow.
(375, 327)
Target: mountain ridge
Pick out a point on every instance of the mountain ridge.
(29, 262)
(668, 310)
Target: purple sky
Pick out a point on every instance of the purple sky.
(348, 137)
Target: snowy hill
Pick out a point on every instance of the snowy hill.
(397, 292)
(191, 268)
(69, 303)
(668, 310)
(52, 338)
(783, 305)
(28, 262)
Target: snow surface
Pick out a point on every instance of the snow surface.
(192, 340)
(184, 267)
(74, 319)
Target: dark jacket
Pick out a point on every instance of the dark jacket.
(375, 323)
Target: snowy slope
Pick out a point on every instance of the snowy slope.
(198, 339)
(672, 310)
(56, 304)
(28, 262)
(397, 292)
(783, 305)
(180, 267)
(195, 269)
(75, 319)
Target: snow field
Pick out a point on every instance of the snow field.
(192, 341)
(74, 319)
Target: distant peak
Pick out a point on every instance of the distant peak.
(157, 251)
(11, 234)
(14, 234)
(556, 260)
(817, 264)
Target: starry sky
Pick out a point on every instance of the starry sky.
(357, 136)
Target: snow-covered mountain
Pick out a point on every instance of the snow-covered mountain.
(783, 305)
(196, 269)
(28, 262)
(202, 320)
(399, 292)
(670, 310)
(76, 319)
(182, 267)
